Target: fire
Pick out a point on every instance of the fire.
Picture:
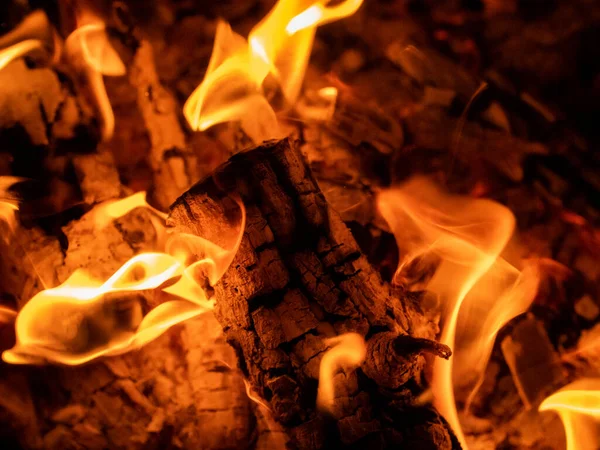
(90, 53)
(480, 292)
(17, 50)
(84, 318)
(33, 35)
(113, 209)
(7, 315)
(8, 203)
(578, 405)
(348, 352)
(280, 46)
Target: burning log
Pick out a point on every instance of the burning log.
(298, 280)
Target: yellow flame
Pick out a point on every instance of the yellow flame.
(89, 51)
(84, 318)
(578, 405)
(320, 14)
(106, 212)
(17, 50)
(280, 45)
(8, 204)
(348, 352)
(33, 34)
(76, 321)
(479, 291)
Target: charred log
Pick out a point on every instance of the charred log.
(298, 279)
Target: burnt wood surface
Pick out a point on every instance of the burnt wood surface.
(298, 279)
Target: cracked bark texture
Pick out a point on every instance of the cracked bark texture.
(297, 279)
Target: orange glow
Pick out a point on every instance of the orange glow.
(8, 204)
(7, 315)
(106, 212)
(319, 14)
(578, 405)
(77, 321)
(318, 105)
(33, 34)
(348, 352)
(17, 50)
(89, 51)
(279, 45)
(84, 318)
(479, 291)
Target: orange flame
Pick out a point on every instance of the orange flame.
(348, 352)
(83, 318)
(479, 291)
(20, 49)
(7, 315)
(279, 45)
(8, 204)
(77, 321)
(33, 35)
(578, 405)
(90, 53)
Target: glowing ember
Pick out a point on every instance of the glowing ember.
(90, 53)
(348, 352)
(479, 291)
(578, 405)
(279, 45)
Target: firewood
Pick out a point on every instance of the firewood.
(178, 391)
(173, 164)
(297, 279)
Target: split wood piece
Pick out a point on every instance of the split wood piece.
(299, 278)
(38, 109)
(173, 164)
(179, 391)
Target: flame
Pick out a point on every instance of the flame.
(20, 49)
(320, 14)
(348, 352)
(479, 290)
(33, 35)
(79, 321)
(8, 203)
(578, 405)
(89, 51)
(110, 210)
(84, 318)
(7, 315)
(279, 45)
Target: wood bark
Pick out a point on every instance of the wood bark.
(297, 279)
